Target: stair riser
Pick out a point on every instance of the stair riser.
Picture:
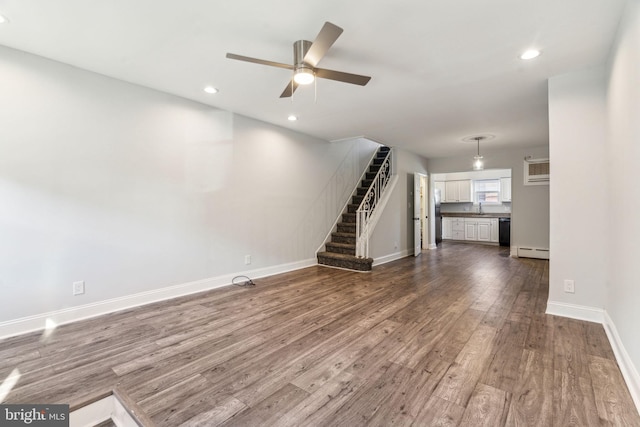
(352, 208)
(344, 264)
(341, 250)
(349, 218)
(356, 200)
(346, 227)
(343, 239)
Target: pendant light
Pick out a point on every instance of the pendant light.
(478, 164)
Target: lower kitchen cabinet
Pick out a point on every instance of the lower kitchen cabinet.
(488, 230)
(471, 229)
(446, 228)
(484, 230)
(457, 228)
(495, 231)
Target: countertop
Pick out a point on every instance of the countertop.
(477, 215)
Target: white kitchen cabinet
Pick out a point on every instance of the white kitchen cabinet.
(457, 228)
(457, 191)
(495, 233)
(464, 191)
(446, 228)
(440, 185)
(505, 189)
(471, 229)
(450, 192)
(484, 230)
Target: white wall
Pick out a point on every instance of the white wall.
(133, 190)
(595, 197)
(623, 227)
(530, 204)
(579, 210)
(393, 235)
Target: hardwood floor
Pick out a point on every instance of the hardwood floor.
(455, 337)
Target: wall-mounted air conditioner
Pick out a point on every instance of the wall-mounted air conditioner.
(536, 171)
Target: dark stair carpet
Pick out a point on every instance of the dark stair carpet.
(341, 250)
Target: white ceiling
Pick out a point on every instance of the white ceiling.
(441, 69)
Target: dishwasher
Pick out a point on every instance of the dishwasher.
(504, 228)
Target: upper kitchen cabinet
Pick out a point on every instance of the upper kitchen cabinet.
(505, 189)
(457, 191)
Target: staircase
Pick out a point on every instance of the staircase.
(341, 250)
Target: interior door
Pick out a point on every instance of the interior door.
(417, 231)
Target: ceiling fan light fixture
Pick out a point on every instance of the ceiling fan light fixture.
(304, 76)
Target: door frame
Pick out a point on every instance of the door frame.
(418, 211)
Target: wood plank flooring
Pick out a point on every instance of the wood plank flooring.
(455, 337)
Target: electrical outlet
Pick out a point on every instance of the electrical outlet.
(247, 259)
(569, 286)
(78, 287)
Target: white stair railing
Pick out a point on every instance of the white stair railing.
(368, 205)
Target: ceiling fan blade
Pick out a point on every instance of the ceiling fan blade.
(326, 37)
(355, 79)
(259, 61)
(288, 91)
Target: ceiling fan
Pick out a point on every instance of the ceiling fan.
(306, 56)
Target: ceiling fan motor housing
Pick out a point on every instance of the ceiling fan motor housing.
(300, 49)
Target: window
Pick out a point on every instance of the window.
(487, 191)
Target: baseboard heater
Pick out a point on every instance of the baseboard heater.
(524, 252)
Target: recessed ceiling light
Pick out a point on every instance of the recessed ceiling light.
(3, 19)
(292, 118)
(530, 54)
(210, 89)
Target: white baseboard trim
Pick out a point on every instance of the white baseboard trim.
(73, 314)
(592, 314)
(432, 246)
(628, 369)
(392, 257)
(514, 251)
(572, 311)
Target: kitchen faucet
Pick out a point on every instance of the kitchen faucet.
(480, 208)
